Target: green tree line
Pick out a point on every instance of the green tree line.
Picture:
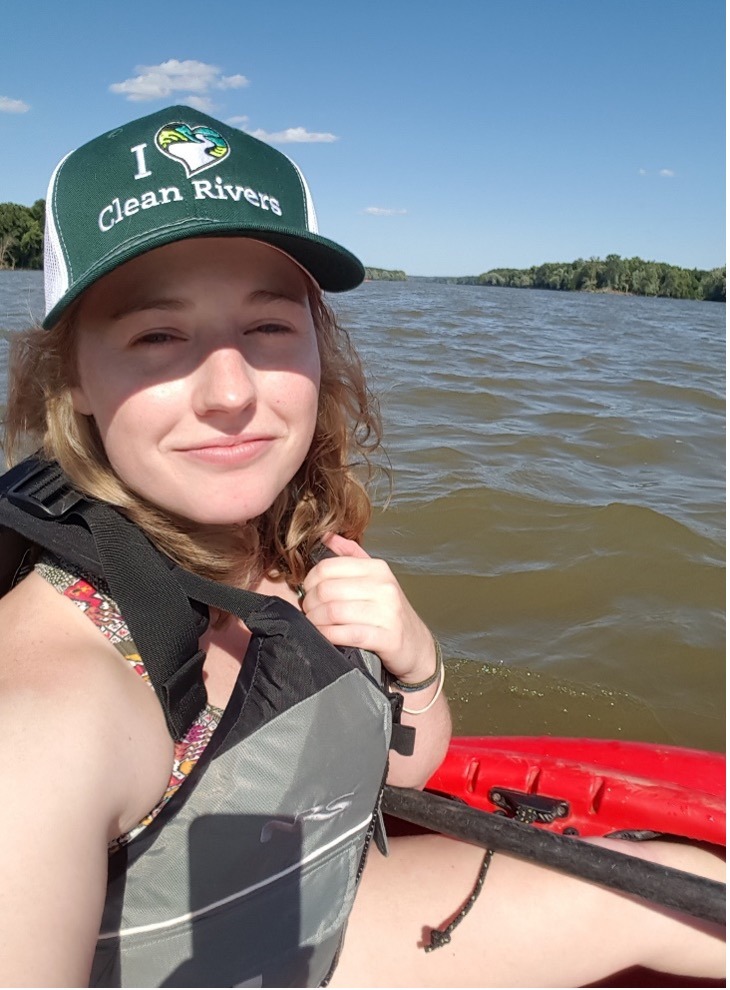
(612, 274)
(21, 235)
(385, 275)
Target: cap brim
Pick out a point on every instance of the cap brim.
(332, 266)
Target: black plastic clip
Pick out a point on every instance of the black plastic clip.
(529, 808)
(403, 737)
(43, 491)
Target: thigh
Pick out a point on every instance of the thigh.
(530, 926)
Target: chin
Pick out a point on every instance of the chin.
(209, 506)
(222, 516)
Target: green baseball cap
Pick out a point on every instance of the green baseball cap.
(175, 174)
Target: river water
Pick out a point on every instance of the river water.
(557, 504)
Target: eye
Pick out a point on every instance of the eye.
(156, 337)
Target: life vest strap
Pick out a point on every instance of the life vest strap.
(38, 502)
(164, 606)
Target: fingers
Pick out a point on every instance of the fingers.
(334, 572)
(347, 596)
(344, 547)
(357, 634)
(355, 600)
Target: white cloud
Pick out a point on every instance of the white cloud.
(232, 82)
(237, 121)
(154, 82)
(380, 211)
(665, 173)
(7, 105)
(203, 103)
(294, 135)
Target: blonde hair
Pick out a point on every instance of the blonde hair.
(327, 494)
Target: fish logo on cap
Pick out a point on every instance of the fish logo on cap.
(195, 148)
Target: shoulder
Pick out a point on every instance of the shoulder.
(62, 705)
(70, 701)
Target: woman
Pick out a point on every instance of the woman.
(213, 831)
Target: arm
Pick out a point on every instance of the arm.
(71, 780)
(355, 600)
(53, 856)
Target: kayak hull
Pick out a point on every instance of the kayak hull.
(593, 787)
(589, 787)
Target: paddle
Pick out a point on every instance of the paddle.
(684, 892)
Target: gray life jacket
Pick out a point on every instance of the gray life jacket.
(248, 874)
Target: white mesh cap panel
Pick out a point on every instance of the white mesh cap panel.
(55, 269)
(309, 202)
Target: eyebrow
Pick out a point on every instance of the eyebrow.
(258, 296)
(271, 295)
(145, 304)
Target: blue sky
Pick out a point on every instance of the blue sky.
(441, 138)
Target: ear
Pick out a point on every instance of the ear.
(79, 401)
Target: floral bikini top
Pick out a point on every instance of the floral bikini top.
(94, 600)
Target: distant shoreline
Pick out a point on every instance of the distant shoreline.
(613, 275)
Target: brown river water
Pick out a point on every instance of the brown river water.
(557, 508)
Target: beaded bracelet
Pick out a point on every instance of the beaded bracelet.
(407, 687)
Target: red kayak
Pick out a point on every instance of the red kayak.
(590, 787)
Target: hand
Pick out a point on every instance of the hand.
(355, 600)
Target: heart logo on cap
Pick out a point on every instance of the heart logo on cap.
(195, 148)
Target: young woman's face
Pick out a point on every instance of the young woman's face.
(200, 366)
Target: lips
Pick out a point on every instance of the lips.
(237, 441)
(229, 451)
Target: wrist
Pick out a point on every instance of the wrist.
(436, 680)
(409, 684)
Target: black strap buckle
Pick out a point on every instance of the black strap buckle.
(403, 737)
(529, 808)
(43, 491)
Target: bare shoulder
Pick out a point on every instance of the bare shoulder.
(66, 690)
(85, 756)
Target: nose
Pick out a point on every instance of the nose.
(224, 382)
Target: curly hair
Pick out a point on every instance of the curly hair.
(327, 494)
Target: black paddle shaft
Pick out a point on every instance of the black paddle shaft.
(683, 892)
